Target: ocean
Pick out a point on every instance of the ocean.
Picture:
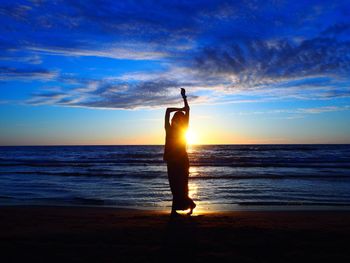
(222, 177)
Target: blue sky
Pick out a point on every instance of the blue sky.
(103, 72)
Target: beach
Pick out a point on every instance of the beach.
(255, 203)
(101, 234)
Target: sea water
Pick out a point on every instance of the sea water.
(221, 176)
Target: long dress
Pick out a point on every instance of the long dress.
(175, 155)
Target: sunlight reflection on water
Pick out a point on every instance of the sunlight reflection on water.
(221, 177)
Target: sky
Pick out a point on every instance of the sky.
(103, 72)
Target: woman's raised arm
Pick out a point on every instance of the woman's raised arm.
(186, 108)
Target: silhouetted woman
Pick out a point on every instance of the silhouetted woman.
(175, 155)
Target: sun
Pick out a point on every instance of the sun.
(191, 137)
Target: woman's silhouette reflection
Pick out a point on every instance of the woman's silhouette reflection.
(175, 155)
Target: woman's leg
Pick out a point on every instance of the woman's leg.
(191, 204)
(178, 173)
(174, 185)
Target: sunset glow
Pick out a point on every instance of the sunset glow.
(270, 72)
(191, 137)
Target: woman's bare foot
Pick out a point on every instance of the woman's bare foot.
(174, 213)
(192, 207)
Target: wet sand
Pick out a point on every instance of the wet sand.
(88, 234)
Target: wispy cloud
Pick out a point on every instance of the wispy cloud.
(7, 73)
(217, 49)
(323, 109)
(258, 63)
(130, 52)
(115, 95)
(33, 59)
(296, 113)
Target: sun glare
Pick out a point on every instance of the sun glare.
(191, 137)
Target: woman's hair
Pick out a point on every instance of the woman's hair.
(178, 119)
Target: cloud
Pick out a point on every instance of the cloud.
(132, 52)
(7, 73)
(33, 59)
(4, 102)
(323, 109)
(336, 29)
(122, 30)
(258, 63)
(298, 112)
(217, 49)
(115, 95)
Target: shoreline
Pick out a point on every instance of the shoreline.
(101, 234)
(198, 210)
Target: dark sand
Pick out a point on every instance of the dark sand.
(78, 234)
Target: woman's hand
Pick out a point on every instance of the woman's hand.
(183, 93)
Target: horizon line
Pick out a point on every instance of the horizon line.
(208, 144)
